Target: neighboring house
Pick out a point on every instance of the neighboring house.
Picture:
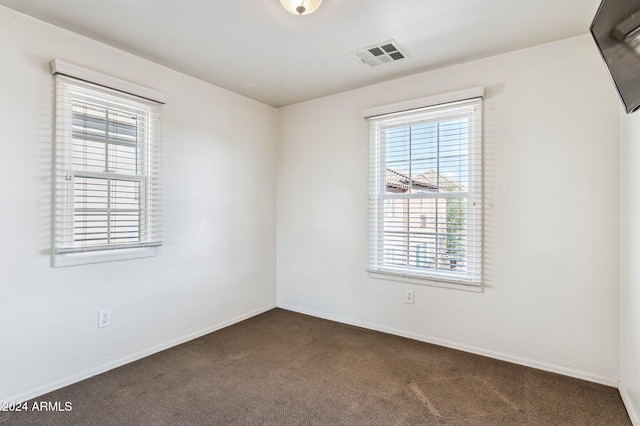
(425, 232)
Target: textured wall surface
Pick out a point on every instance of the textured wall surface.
(217, 264)
(551, 229)
(629, 265)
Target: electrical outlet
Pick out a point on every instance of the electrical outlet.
(408, 296)
(104, 318)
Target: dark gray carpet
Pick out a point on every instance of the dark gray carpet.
(284, 368)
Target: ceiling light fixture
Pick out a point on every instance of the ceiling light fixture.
(301, 7)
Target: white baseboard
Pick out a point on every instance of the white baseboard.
(608, 381)
(41, 390)
(632, 408)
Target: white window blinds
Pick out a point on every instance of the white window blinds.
(426, 192)
(106, 173)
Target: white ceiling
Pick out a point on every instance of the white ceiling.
(257, 49)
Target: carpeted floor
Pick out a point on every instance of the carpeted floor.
(284, 368)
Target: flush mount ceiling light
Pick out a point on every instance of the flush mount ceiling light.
(301, 7)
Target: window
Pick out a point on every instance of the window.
(427, 163)
(389, 208)
(106, 174)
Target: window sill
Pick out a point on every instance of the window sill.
(70, 259)
(428, 281)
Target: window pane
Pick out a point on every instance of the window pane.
(427, 233)
(122, 159)
(122, 126)
(124, 194)
(428, 157)
(424, 156)
(91, 193)
(88, 155)
(90, 228)
(456, 233)
(104, 139)
(454, 154)
(124, 227)
(106, 211)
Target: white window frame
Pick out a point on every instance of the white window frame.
(77, 85)
(398, 115)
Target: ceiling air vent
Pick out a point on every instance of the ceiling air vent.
(382, 53)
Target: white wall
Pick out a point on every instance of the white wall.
(629, 264)
(551, 146)
(217, 264)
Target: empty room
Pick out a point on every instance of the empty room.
(270, 212)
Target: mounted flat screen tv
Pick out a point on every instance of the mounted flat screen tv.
(616, 31)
